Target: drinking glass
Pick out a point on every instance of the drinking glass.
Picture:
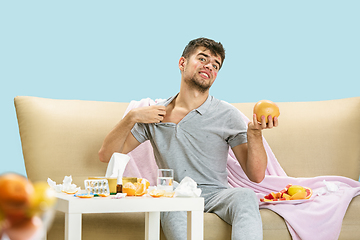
(165, 179)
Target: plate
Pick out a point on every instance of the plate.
(84, 195)
(288, 201)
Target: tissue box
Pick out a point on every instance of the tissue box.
(113, 182)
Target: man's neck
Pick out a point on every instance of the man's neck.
(190, 99)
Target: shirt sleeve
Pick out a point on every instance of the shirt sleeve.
(238, 133)
(139, 132)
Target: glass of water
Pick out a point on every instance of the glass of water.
(165, 179)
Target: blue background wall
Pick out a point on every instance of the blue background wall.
(120, 51)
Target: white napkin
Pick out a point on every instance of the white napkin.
(187, 188)
(329, 188)
(117, 164)
(67, 185)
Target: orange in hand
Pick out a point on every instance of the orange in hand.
(266, 108)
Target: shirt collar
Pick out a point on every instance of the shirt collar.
(201, 110)
(204, 107)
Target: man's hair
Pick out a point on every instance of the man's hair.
(215, 48)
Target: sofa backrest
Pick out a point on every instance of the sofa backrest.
(62, 137)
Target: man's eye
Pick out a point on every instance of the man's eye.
(202, 59)
(215, 66)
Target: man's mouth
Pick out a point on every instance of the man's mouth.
(206, 75)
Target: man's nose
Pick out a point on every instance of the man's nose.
(209, 66)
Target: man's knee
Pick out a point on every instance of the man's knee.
(245, 194)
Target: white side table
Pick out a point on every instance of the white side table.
(74, 207)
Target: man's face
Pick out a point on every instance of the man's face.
(200, 69)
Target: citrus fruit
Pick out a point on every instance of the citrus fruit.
(298, 192)
(104, 194)
(140, 189)
(308, 192)
(266, 108)
(42, 199)
(298, 195)
(85, 195)
(295, 189)
(290, 192)
(145, 181)
(69, 192)
(15, 197)
(157, 193)
(129, 188)
(169, 194)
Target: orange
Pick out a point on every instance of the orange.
(266, 108)
(145, 181)
(157, 193)
(140, 189)
(129, 188)
(104, 194)
(169, 194)
(85, 195)
(16, 191)
(290, 192)
(70, 192)
(298, 195)
(295, 189)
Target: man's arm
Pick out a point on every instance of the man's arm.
(252, 155)
(120, 138)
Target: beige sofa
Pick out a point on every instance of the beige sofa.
(62, 137)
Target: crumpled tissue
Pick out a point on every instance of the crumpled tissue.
(116, 165)
(66, 186)
(187, 188)
(329, 188)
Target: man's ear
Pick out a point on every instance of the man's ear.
(182, 63)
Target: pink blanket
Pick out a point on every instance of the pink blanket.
(318, 218)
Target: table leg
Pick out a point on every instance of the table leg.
(152, 225)
(195, 225)
(73, 226)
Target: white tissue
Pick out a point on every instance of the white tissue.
(187, 188)
(329, 188)
(117, 164)
(66, 186)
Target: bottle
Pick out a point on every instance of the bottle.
(119, 183)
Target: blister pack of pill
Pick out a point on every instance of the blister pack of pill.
(97, 186)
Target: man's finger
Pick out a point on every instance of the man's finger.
(270, 122)
(276, 121)
(255, 121)
(263, 122)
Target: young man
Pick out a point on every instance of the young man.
(191, 133)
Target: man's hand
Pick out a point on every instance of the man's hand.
(252, 156)
(150, 114)
(255, 127)
(120, 138)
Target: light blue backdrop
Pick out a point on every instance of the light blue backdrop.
(124, 50)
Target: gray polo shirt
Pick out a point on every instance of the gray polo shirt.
(198, 145)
